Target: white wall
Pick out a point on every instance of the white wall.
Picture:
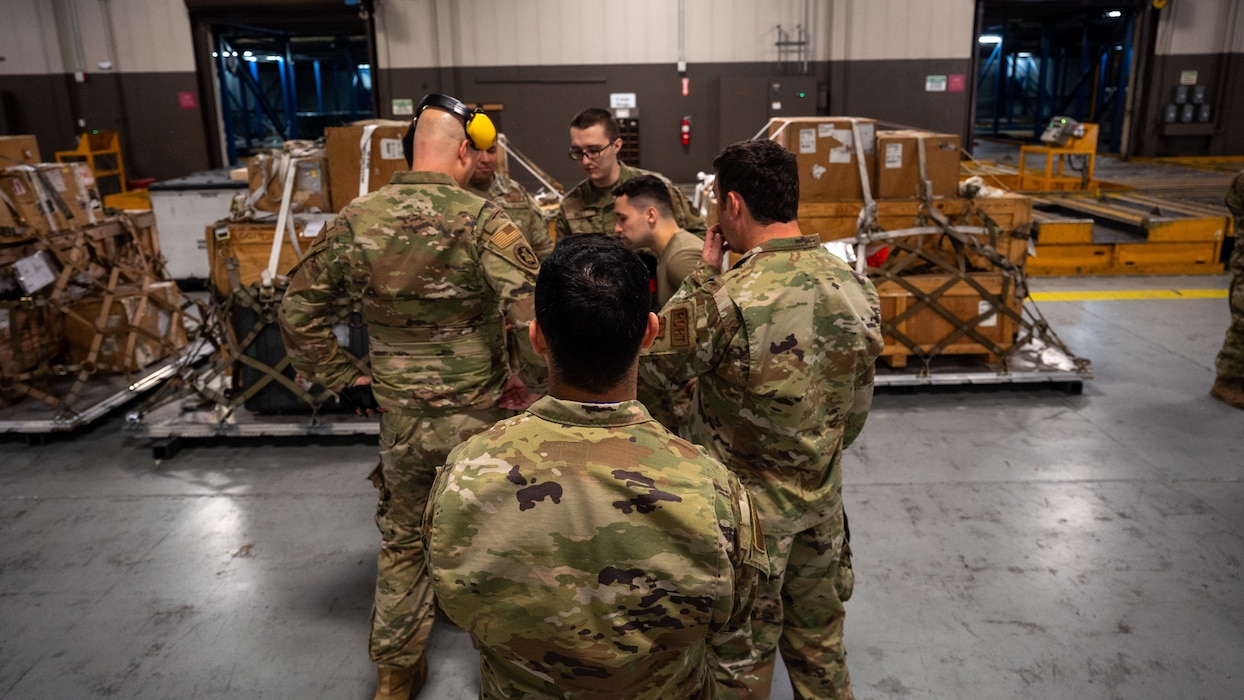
(442, 33)
(38, 37)
(1201, 27)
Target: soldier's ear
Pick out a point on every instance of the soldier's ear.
(538, 341)
(650, 333)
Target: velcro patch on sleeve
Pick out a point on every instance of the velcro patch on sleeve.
(507, 236)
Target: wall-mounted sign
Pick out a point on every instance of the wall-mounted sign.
(622, 100)
(935, 83)
(1187, 77)
(403, 107)
(956, 83)
(187, 100)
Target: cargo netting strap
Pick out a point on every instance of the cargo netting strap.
(220, 384)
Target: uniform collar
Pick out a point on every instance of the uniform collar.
(779, 244)
(593, 414)
(420, 177)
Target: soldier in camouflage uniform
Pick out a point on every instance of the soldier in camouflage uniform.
(588, 551)
(1229, 384)
(440, 273)
(588, 208)
(506, 193)
(784, 345)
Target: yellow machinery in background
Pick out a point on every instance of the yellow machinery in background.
(101, 150)
(1065, 141)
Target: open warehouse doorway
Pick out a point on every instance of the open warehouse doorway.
(281, 71)
(1038, 60)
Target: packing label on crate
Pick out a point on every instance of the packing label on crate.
(391, 149)
(313, 228)
(56, 178)
(807, 141)
(894, 155)
(34, 272)
(845, 151)
(983, 307)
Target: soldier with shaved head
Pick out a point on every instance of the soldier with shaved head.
(588, 551)
(446, 283)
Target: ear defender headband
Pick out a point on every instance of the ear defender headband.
(480, 130)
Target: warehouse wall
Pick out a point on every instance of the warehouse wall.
(543, 60)
(133, 59)
(1207, 38)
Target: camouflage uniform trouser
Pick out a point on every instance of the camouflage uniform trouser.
(799, 610)
(1230, 363)
(412, 448)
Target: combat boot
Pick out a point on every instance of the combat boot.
(401, 682)
(1228, 392)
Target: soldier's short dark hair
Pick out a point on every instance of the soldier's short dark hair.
(765, 175)
(592, 304)
(647, 191)
(595, 115)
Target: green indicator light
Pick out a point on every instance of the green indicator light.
(802, 94)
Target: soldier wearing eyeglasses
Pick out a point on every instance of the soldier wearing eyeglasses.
(588, 208)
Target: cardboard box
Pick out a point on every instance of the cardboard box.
(829, 168)
(138, 328)
(311, 189)
(30, 334)
(19, 150)
(345, 146)
(51, 196)
(898, 164)
(251, 244)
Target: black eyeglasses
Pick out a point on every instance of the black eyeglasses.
(592, 152)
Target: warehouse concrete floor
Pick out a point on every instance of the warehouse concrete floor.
(1009, 544)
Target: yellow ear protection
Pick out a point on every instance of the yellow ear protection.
(480, 130)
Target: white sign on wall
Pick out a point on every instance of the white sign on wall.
(622, 100)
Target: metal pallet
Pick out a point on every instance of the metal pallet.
(101, 395)
(1040, 365)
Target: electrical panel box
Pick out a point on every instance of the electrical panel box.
(1170, 113)
(1186, 113)
(1181, 94)
(1203, 114)
(1198, 94)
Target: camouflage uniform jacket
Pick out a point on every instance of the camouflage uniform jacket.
(591, 553)
(439, 272)
(784, 344)
(589, 209)
(522, 208)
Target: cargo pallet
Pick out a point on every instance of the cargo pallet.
(101, 395)
(1126, 233)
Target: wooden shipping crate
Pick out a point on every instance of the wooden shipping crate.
(927, 328)
(137, 328)
(1012, 213)
(30, 334)
(251, 244)
(380, 139)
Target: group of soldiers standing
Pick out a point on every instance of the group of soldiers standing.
(588, 549)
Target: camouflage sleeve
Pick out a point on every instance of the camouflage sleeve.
(309, 310)
(749, 559)
(685, 214)
(1235, 199)
(697, 326)
(510, 267)
(561, 225)
(857, 414)
(535, 227)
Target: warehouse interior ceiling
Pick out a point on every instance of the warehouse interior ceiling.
(1038, 60)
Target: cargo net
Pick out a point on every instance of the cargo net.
(93, 301)
(955, 288)
(249, 367)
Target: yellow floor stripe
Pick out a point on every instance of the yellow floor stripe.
(1131, 294)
